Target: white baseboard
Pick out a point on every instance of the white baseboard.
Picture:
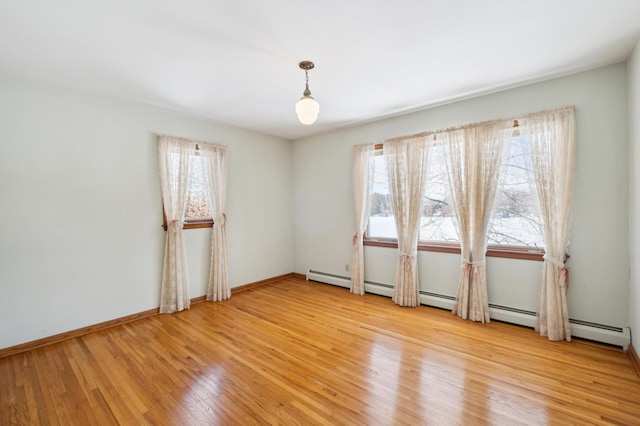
(598, 332)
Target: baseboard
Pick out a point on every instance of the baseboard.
(197, 300)
(618, 336)
(260, 283)
(45, 341)
(633, 356)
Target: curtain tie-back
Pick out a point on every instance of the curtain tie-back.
(553, 260)
(174, 225)
(471, 266)
(563, 278)
(356, 239)
(220, 220)
(408, 260)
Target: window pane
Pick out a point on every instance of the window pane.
(381, 222)
(515, 219)
(198, 195)
(437, 223)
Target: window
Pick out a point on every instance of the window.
(515, 225)
(198, 204)
(438, 217)
(381, 223)
(437, 222)
(198, 209)
(515, 220)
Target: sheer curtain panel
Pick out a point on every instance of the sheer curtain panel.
(473, 162)
(215, 157)
(174, 164)
(407, 170)
(553, 147)
(362, 183)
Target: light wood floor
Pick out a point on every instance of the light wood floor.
(295, 352)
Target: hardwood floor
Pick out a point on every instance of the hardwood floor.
(295, 352)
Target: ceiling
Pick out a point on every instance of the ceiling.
(236, 62)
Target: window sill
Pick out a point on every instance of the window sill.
(524, 253)
(194, 224)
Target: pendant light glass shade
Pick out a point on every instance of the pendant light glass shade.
(307, 110)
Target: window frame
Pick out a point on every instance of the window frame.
(503, 251)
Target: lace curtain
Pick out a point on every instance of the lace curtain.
(553, 146)
(174, 164)
(407, 170)
(473, 162)
(362, 183)
(215, 157)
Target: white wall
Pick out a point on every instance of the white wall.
(323, 209)
(80, 209)
(81, 240)
(634, 195)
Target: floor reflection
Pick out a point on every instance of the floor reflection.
(382, 378)
(205, 396)
(410, 384)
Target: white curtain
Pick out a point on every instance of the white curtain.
(362, 183)
(174, 161)
(553, 146)
(215, 160)
(473, 161)
(407, 169)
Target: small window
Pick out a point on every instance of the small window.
(198, 199)
(198, 213)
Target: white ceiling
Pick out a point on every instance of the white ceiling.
(237, 61)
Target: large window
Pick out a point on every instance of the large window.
(515, 223)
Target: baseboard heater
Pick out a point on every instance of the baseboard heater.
(618, 336)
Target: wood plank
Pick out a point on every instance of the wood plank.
(297, 352)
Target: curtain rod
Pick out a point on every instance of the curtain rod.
(478, 124)
(190, 141)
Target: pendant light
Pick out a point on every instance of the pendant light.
(307, 108)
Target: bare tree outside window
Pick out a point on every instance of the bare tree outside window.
(438, 218)
(515, 220)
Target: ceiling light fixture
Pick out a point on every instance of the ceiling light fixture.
(307, 108)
